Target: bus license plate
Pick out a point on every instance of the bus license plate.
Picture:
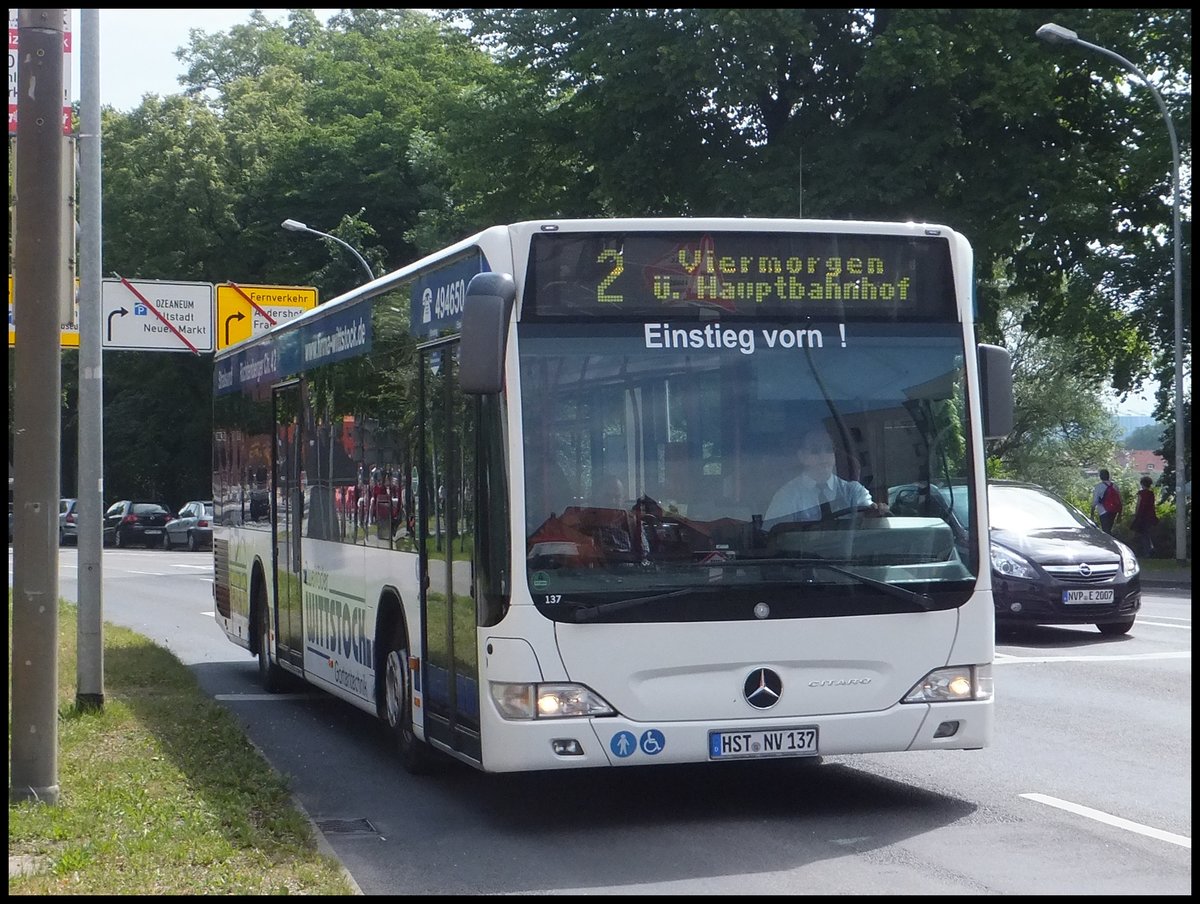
(733, 745)
(1088, 596)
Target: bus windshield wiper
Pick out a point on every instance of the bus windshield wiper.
(924, 600)
(911, 596)
(587, 613)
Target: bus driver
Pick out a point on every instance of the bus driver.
(817, 493)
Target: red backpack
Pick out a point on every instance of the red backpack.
(1111, 500)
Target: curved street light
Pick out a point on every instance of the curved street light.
(297, 226)
(1056, 34)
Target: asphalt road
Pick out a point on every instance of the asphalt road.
(1086, 790)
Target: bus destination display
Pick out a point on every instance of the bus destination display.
(791, 274)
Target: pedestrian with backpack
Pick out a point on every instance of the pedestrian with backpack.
(1106, 502)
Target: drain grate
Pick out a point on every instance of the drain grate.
(346, 827)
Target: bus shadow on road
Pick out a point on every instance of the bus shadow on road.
(586, 828)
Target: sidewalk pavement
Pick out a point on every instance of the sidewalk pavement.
(1178, 577)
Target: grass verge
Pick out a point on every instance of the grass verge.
(160, 792)
(1157, 564)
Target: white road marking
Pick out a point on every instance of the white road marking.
(1158, 624)
(1109, 819)
(1007, 659)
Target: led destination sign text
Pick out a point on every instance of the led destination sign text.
(795, 274)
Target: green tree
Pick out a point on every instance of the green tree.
(958, 116)
(400, 133)
(1061, 426)
(1147, 437)
(275, 121)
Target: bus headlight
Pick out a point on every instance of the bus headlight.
(547, 701)
(952, 684)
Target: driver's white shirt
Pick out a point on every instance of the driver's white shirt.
(800, 498)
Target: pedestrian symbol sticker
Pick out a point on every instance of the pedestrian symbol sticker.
(653, 741)
(623, 744)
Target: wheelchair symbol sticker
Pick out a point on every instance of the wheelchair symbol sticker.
(623, 744)
(653, 742)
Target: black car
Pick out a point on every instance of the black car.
(1051, 564)
(135, 522)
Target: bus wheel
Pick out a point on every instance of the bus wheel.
(415, 755)
(270, 675)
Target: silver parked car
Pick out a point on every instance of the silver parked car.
(192, 527)
(68, 516)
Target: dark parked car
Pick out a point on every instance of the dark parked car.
(68, 516)
(1051, 564)
(135, 522)
(191, 527)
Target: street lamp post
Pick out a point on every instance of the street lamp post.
(297, 226)
(1056, 34)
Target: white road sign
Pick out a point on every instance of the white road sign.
(139, 314)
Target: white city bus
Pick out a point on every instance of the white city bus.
(409, 511)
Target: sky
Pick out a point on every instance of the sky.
(137, 58)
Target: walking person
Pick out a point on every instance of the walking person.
(1145, 518)
(1106, 502)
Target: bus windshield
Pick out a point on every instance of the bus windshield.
(657, 462)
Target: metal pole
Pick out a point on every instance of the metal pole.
(297, 226)
(89, 692)
(1056, 34)
(38, 287)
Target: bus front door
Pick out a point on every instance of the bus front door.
(451, 697)
(288, 523)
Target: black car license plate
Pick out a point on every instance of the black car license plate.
(1087, 596)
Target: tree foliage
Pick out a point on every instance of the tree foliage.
(1148, 437)
(400, 132)
(1040, 155)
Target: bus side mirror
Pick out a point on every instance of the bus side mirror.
(995, 391)
(486, 313)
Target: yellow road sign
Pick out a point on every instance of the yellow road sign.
(244, 311)
(68, 332)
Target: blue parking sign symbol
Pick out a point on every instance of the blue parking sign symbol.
(140, 310)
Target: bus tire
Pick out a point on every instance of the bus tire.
(417, 757)
(270, 675)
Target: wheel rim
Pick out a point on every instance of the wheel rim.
(396, 688)
(264, 640)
